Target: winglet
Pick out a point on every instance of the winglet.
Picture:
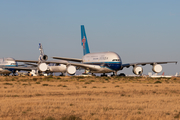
(84, 41)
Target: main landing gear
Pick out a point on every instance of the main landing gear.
(62, 74)
(93, 74)
(115, 74)
(122, 75)
(103, 75)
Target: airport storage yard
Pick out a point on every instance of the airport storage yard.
(90, 98)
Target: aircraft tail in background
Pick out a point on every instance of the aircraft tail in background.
(84, 41)
(163, 73)
(41, 49)
(42, 57)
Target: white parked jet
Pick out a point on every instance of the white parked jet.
(7, 62)
(42, 65)
(106, 62)
(159, 76)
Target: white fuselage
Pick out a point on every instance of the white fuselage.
(60, 68)
(107, 61)
(10, 62)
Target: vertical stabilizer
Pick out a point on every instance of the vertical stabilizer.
(163, 73)
(84, 41)
(41, 49)
(42, 57)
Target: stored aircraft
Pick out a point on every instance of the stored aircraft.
(159, 76)
(42, 65)
(7, 62)
(107, 62)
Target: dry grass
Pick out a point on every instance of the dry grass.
(92, 98)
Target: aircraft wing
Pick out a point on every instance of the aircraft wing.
(68, 59)
(97, 67)
(86, 66)
(36, 61)
(127, 65)
(35, 65)
(57, 62)
(30, 61)
(21, 68)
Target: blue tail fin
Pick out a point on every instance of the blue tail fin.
(84, 41)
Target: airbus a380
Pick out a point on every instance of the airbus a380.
(107, 62)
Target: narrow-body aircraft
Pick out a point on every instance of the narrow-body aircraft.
(107, 62)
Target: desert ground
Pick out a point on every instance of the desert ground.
(89, 98)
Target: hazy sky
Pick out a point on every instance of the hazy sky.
(138, 30)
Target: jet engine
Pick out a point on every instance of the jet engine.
(71, 70)
(43, 57)
(157, 68)
(43, 67)
(137, 70)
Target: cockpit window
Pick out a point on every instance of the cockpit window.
(116, 60)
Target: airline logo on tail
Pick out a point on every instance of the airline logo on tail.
(40, 46)
(84, 41)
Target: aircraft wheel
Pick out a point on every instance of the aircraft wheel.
(122, 75)
(93, 74)
(61, 74)
(112, 75)
(103, 75)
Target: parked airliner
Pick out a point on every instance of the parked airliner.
(42, 65)
(107, 62)
(159, 76)
(7, 62)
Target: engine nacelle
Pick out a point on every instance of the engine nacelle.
(43, 67)
(137, 70)
(43, 58)
(157, 68)
(71, 70)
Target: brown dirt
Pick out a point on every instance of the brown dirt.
(92, 98)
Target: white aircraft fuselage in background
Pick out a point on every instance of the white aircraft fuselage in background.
(7, 62)
(42, 65)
